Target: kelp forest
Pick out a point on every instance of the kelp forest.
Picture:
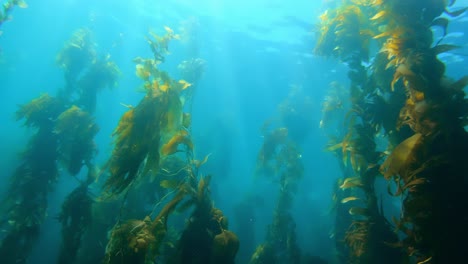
(395, 122)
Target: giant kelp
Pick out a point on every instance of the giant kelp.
(75, 130)
(406, 74)
(75, 217)
(346, 33)
(64, 137)
(153, 143)
(280, 160)
(7, 8)
(206, 238)
(153, 128)
(86, 71)
(26, 201)
(436, 110)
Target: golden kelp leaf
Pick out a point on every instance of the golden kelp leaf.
(413, 183)
(198, 163)
(169, 184)
(334, 147)
(164, 87)
(418, 95)
(185, 84)
(348, 199)
(379, 15)
(401, 156)
(351, 182)
(358, 211)
(142, 72)
(391, 63)
(381, 35)
(182, 137)
(401, 71)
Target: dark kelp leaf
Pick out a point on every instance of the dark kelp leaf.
(457, 12)
(443, 48)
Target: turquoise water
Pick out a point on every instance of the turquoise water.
(258, 57)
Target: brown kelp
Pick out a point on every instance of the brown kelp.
(405, 96)
(7, 8)
(153, 146)
(26, 201)
(64, 137)
(346, 33)
(75, 130)
(86, 71)
(206, 238)
(280, 160)
(151, 129)
(426, 164)
(75, 217)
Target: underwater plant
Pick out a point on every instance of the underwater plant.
(64, 137)
(138, 241)
(346, 33)
(75, 130)
(86, 71)
(26, 200)
(153, 158)
(75, 217)
(280, 160)
(152, 129)
(206, 238)
(405, 96)
(7, 8)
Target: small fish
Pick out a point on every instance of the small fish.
(379, 15)
(351, 182)
(348, 199)
(169, 184)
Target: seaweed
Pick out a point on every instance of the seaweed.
(423, 115)
(86, 71)
(206, 238)
(75, 217)
(154, 128)
(32, 180)
(7, 8)
(280, 160)
(75, 130)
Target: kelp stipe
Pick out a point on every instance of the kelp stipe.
(408, 72)
(64, 136)
(153, 145)
(280, 160)
(26, 200)
(86, 71)
(426, 165)
(346, 33)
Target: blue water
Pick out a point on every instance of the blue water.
(255, 50)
